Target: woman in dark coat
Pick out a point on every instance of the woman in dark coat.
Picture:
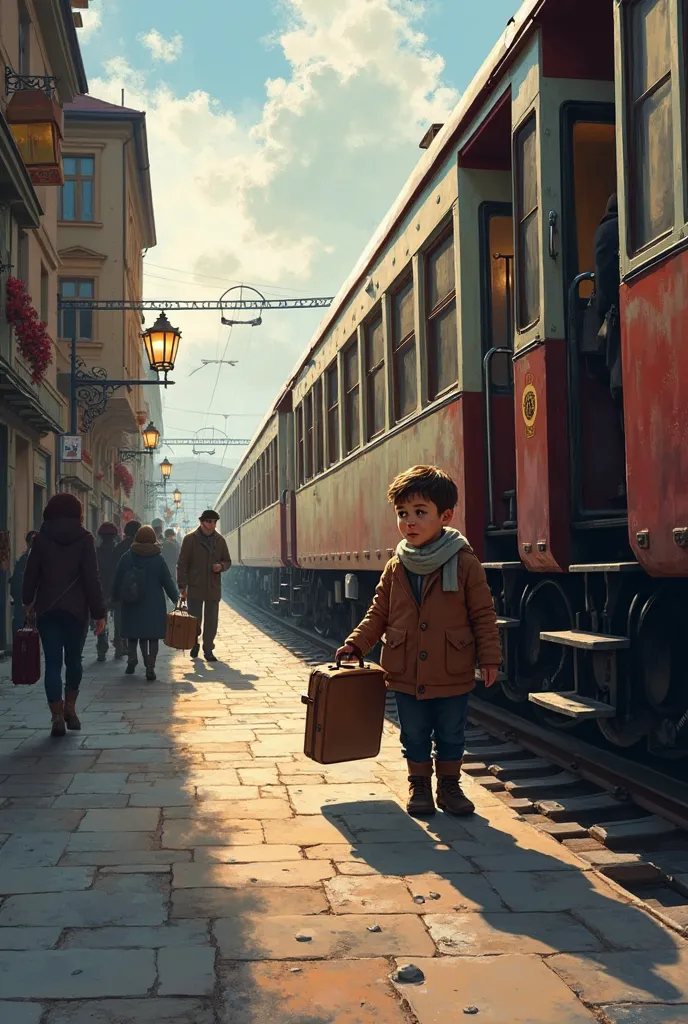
(62, 589)
(144, 620)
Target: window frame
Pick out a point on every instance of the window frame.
(531, 119)
(372, 373)
(332, 415)
(399, 346)
(633, 263)
(349, 394)
(77, 280)
(78, 179)
(432, 313)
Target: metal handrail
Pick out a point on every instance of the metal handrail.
(489, 356)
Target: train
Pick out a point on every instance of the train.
(459, 339)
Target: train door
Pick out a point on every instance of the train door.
(497, 277)
(543, 229)
(596, 444)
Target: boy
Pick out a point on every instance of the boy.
(435, 609)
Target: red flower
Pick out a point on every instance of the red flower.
(124, 479)
(33, 341)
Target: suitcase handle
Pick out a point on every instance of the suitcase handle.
(305, 699)
(349, 664)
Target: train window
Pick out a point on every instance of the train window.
(308, 434)
(442, 338)
(594, 181)
(275, 471)
(528, 228)
(318, 453)
(651, 150)
(375, 377)
(352, 427)
(332, 398)
(404, 351)
(299, 445)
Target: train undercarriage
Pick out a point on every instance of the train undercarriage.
(600, 647)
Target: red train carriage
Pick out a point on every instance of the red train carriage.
(462, 337)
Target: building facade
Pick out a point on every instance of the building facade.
(37, 38)
(105, 224)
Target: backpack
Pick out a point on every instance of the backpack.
(132, 586)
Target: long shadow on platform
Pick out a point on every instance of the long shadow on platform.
(541, 903)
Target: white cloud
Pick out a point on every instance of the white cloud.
(92, 21)
(161, 49)
(290, 201)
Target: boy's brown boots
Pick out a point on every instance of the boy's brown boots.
(450, 796)
(420, 801)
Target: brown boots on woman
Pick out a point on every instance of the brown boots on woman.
(64, 714)
(450, 797)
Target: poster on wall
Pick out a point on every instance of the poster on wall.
(72, 448)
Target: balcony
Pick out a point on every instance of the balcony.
(39, 405)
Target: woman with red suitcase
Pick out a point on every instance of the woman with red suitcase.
(62, 591)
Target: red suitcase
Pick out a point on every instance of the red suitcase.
(26, 657)
(346, 712)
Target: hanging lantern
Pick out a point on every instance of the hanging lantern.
(151, 437)
(177, 497)
(166, 469)
(36, 122)
(161, 341)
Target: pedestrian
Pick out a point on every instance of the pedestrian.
(16, 581)
(157, 526)
(141, 582)
(130, 531)
(62, 591)
(170, 552)
(607, 284)
(107, 565)
(202, 560)
(435, 609)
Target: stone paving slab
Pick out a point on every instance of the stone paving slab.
(504, 989)
(180, 861)
(341, 991)
(130, 1011)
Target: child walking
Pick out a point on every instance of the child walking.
(435, 609)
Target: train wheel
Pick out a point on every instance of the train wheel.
(544, 606)
(660, 647)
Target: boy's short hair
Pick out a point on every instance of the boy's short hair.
(429, 482)
(169, 533)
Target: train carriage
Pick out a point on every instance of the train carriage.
(462, 337)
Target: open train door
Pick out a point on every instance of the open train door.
(566, 65)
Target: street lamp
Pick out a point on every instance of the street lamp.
(177, 497)
(161, 341)
(166, 469)
(151, 437)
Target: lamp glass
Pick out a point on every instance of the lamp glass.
(166, 469)
(177, 496)
(151, 437)
(162, 343)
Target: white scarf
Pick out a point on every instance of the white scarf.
(442, 553)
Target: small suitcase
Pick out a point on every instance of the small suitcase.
(346, 712)
(182, 629)
(26, 657)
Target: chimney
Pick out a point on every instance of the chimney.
(430, 134)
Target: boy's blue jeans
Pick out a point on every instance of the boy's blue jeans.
(442, 719)
(62, 636)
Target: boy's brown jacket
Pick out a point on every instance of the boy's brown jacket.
(431, 650)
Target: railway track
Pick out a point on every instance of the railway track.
(625, 819)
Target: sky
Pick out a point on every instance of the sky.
(280, 132)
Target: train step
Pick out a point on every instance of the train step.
(572, 705)
(587, 641)
(505, 623)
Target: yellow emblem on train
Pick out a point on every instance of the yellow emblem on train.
(529, 405)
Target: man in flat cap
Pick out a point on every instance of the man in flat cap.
(202, 560)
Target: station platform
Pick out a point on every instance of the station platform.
(179, 861)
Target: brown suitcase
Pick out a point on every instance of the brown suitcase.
(346, 712)
(182, 629)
